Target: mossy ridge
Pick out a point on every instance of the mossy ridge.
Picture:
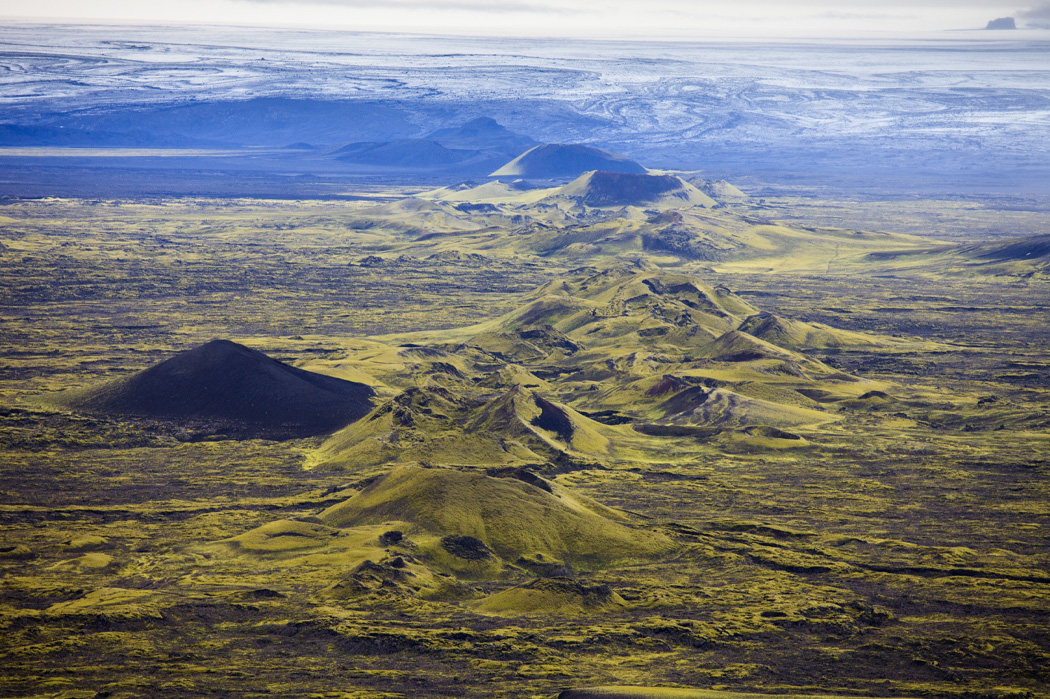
(614, 692)
(115, 604)
(661, 218)
(794, 334)
(656, 312)
(1014, 258)
(572, 304)
(419, 424)
(608, 327)
(317, 550)
(284, 536)
(515, 426)
(552, 596)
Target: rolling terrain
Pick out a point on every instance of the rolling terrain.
(666, 220)
(518, 439)
(376, 366)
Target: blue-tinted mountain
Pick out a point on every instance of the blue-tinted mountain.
(262, 121)
(1002, 23)
(473, 148)
(484, 134)
(414, 153)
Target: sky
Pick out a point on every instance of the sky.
(699, 19)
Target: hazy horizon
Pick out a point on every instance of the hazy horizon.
(661, 19)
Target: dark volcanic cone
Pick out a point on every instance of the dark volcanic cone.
(630, 189)
(235, 386)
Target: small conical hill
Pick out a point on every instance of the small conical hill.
(795, 334)
(719, 189)
(233, 385)
(526, 343)
(511, 517)
(547, 596)
(537, 422)
(738, 346)
(723, 408)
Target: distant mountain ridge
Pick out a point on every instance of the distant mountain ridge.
(260, 121)
(354, 132)
(472, 148)
(405, 153)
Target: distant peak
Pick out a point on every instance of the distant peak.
(1002, 23)
(482, 123)
(482, 133)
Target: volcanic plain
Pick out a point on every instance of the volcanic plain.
(506, 441)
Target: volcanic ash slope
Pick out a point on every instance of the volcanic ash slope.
(235, 387)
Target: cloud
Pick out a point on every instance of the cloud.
(863, 15)
(483, 6)
(1038, 16)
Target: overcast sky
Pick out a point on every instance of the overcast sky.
(588, 18)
